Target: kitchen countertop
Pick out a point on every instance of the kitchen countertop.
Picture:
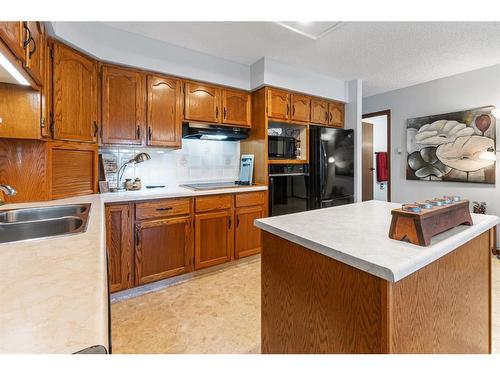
(358, 235)
(53, 292)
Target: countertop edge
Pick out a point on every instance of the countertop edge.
(392, 275)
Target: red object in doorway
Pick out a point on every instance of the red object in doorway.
(381, 160)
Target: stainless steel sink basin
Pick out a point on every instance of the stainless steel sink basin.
(39, 229)
(42, 213)
(42, 222)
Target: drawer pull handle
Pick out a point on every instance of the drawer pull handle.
(164, 209)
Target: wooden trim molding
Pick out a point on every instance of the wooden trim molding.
(386, 112)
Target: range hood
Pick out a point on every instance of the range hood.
(213, 132)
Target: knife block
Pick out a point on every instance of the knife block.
(419, 227)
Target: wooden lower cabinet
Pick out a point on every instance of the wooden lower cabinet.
(214, 238)
(248, 238)
(119, 246)
(163, 249)
(174, 236)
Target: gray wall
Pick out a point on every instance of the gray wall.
(464, 91)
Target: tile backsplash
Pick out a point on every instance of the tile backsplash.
(197, 161)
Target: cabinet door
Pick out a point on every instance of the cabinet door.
(336, 114)
(123, 106)
(75, 95)
(248, 239)
(20, 113)
(236, 107)
(119, 247)
(12, 35)
(301, 106)
(214, 238)
(202, 102)
(319, 112)
(163, 249)
(34, 60)
(46, 93)
(278, 104)
(164, 111)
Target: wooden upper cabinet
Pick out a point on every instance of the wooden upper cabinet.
(319, 112)
(164, 117)
(20, 112)
(301, 105)
(336, 114)
(12, 35)
(75, 95)
(278, 104)
(201, 102)
(123, 106)
(236, 107)
(35, 48)
(163, 249)
(119, 246)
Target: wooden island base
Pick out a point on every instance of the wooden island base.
(314, 304)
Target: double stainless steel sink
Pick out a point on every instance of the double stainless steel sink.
(42, 222)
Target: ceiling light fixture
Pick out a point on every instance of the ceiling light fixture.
(311, 30)
(11, 69)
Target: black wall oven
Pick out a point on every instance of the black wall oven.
(288, 188)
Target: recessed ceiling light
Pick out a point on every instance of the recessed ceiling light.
(311, 30)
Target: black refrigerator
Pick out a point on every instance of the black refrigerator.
(331, 167)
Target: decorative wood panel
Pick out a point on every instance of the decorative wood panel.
(278, 104)
(214, 238)
(123, 106)
(202, 102)
(163, 249)
(75, 95)
(314, 304)
(164, 117)
(20, 112)
(162, 208)
(23, 165)
(319, 112)
(248, 240)
(236, 107)
(72, 168)
(11, 33)
(445, 307)
(301, 107)
(119, 246)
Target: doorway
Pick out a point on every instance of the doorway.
(376, 156)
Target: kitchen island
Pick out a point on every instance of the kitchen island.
(334, 282)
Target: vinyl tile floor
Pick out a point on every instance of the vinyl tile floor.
(217, 312)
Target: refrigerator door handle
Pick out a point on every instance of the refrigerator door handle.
(271, 195)
(323, 169)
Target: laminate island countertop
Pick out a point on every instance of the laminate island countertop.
(358, 235)
(334, 282)
(54, 291)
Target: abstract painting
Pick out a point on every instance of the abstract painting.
(456, 146)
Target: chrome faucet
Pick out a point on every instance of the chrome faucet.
(8, 190)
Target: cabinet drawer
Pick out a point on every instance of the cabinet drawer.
(213, 203)
(162, 208)
(250, 199)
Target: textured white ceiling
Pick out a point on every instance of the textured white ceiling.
(385, 55)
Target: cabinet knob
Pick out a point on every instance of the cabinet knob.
(138, 132)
